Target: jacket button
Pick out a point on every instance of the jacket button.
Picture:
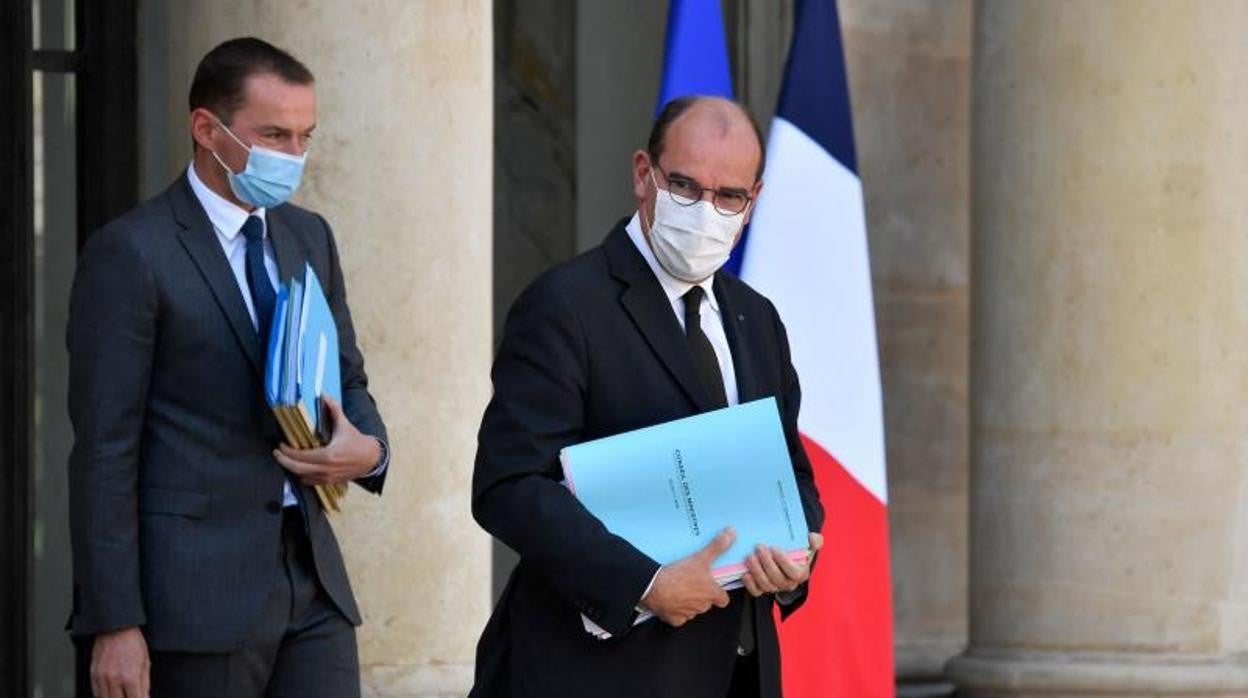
(273, 507)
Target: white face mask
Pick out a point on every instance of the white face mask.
(691, 242)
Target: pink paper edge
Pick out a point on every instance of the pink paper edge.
(567, 474)
(800, 556)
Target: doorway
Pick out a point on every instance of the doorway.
(69, 161)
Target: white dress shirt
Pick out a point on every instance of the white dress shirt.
(227, 220)
(712, 321)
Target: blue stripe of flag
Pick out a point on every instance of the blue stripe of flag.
(695, 58)
(815, 94)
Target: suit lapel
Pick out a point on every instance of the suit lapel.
(734, 329)
(644, 301)
(200, 241)
(289, 261)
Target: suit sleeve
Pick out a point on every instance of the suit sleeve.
(537, 409)
(357, 402)
(790, 405)
(110, 337)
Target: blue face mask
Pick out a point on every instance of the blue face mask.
(270, 177)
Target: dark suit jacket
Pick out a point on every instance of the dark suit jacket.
(175, 497)
(592, 348)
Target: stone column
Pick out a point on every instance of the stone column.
(401, 166)
(910, 74)
(1109, 536)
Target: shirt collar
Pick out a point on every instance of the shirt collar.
(674, 288)
(225, 216)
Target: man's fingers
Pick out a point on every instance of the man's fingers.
(816, 542)
(299, 467)
(775, 577)
(717, 546)
(750, 585)
(755, 567)
(284, 460)
(721, 599)
(788, 567)
(311, 455)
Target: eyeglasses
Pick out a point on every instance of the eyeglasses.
(687, 192)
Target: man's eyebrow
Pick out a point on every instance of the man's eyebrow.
(680, 175)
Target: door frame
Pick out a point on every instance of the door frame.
(105, 66)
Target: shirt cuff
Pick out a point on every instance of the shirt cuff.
(644, 594)
(784, 598)
(384, 462)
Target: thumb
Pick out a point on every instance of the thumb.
(816, 542)
(335, 409)
(718, 545)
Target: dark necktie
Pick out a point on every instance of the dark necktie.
(263, 298)
(708, 369)
(700, 347)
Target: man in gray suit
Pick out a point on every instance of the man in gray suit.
(203, 562)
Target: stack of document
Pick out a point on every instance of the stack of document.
(671, 488)
(302, 367)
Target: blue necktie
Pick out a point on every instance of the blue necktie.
(263, 298)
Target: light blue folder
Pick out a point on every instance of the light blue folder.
(277, 344)
(302, 366)
(319, 371)
(670, 488)
(303, 363)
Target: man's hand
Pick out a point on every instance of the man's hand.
(120, 666)
(348, 456)
(769, 570)
(685, 588)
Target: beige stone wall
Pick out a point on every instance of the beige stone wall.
(909, 65)
(1109, 322)
(400, 167)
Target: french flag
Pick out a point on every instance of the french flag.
(806, 250)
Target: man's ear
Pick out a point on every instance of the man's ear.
(641, 175)
(202, 124)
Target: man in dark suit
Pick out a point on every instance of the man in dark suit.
(204, 564)
(641, 330)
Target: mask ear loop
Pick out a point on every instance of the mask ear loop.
(642, 209)
(236, 140)
(227, 130)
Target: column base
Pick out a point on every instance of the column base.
(925, 660)
(1012, 674)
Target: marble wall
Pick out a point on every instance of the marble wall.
(909, 66)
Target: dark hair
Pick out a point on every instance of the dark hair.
(222, 73)
(676, 107)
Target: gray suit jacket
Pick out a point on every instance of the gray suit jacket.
(175, 497)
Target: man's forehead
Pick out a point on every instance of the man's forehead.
(270, 95)
(712, 151)
(713, 139)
